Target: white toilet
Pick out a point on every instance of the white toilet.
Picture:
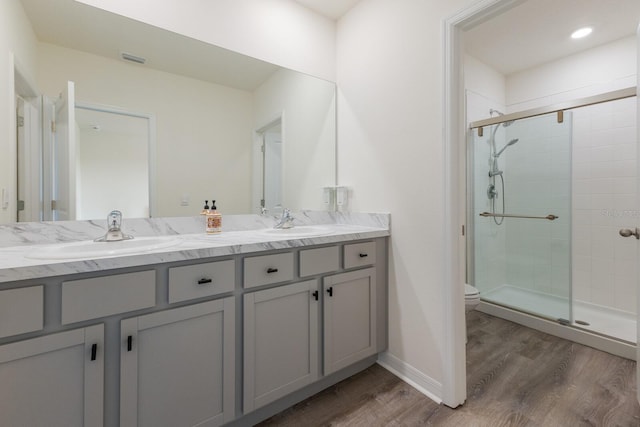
(471, 298)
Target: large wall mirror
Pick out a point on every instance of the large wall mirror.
(209, 107)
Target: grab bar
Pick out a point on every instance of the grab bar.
(550, 217)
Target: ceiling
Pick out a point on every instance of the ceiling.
(89, 29)
(333, 9)
(538, 31)
(532, 33)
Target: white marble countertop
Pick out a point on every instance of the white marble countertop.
(16, 262)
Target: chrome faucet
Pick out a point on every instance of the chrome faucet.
(286, 220)
(114, 231)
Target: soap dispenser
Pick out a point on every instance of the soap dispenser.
(205, 209)
(214, 220)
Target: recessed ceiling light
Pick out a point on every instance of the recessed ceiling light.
(582, 32)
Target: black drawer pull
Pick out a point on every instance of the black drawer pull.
(94, 351)
(315, 295)
(204, 281)
(129, 342)
(330, 291)
(364, 255)
(272, 270)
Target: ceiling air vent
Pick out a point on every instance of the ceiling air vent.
(133, 58)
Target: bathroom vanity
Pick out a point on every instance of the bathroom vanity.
(204, 330)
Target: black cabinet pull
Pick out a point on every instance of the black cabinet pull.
(364, 255)
(94, 351)
(272, 270)
(315, 295)
(204, 281)
(330, 291)
(129, 342)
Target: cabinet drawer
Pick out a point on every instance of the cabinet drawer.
(21, 310)
(266, 269)
(320, 260)
(359, 254)
(201, 280)
(103, 296)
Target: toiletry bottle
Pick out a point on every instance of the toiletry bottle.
(214, 220)
(205, 209)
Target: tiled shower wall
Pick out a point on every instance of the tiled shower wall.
(604, 199)
(537, 175)
(489, 251)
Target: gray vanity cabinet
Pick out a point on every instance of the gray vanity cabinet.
(294, 334)
(349, 318)
(280, 342)
(54, 380)
(178, 366)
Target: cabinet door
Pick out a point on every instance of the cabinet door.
(280, 342)
(53, 380)
(177, 366)
(349, 318)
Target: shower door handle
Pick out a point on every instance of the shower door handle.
(625, 232)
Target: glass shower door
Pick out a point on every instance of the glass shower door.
(521, 209)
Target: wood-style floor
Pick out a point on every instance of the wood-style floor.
(516, 376)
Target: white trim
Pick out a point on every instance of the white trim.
(637, 206)
(407, 373)
(454, 357)
(9, 188)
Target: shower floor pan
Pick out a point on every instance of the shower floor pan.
(602, 320)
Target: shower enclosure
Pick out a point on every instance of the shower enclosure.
(546, 200)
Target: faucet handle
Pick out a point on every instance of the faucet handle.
(114, 220)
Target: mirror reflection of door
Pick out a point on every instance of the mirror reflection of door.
(112, 163)
(64, 153)
(272, 166)
(28, 156)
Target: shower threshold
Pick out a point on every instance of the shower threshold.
(610, 323)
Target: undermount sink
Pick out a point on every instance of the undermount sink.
(91, 249)
(302, 231)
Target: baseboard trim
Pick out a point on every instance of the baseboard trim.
(407, 373)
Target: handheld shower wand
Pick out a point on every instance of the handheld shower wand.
(507, 145)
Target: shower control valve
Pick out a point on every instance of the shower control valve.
(625, 232)
(491, 192)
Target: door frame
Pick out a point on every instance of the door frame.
(258, 169)
(454, 143)
(638, 195)
(151, 142)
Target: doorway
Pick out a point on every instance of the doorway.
(271, 140)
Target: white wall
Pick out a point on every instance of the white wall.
(112, 173)
(203, 146)
(486, 82)
(390, 152)
(279, 31)
(598, 70)
(307, 105)
(17, 38)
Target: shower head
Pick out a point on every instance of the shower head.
(508, 144)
